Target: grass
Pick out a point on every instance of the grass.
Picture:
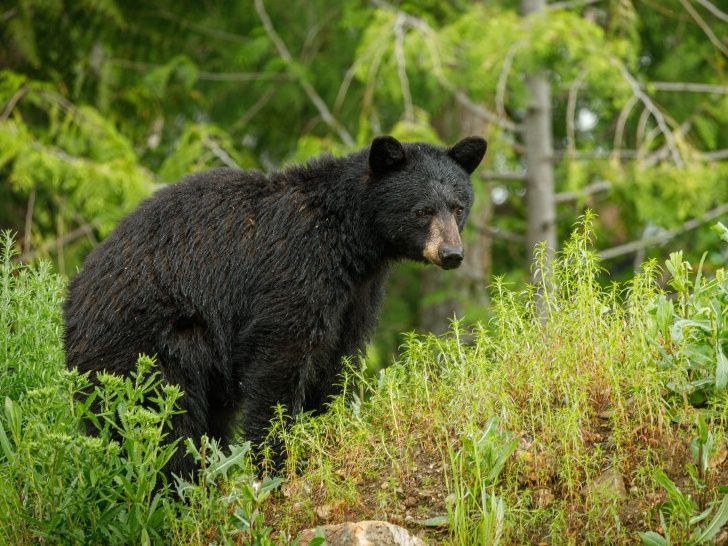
(563, 420)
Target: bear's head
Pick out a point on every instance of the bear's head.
(421, 196)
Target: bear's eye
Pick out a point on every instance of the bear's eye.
(458, 211)
(424, 212)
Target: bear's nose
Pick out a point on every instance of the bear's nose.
(451, 256)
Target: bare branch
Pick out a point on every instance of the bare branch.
(502, 234)
(571, 113)
(430, 35)
(661, 153)
(203, 29)
(9, 14)
(315, 98)
(479, 110)
(653, 109)
(665, 236)
(690, 87)
(409, 113)
(500, 91)
(257, 107)
(640, 141)
(506, 177)
(58, 243)
(221, 154)
(209, 76)
(13, 102)
(570, 4)
(349, 76)
(590, 189)
(241, 76)
(621, 122)
(704, 27)
(723, 16)
(716, 155)
(28, 221)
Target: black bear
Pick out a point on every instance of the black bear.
(250, 288)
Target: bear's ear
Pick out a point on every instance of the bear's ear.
(468, 153)
(385, 154)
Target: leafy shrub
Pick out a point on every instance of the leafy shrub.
(690, 330)
(59, 485)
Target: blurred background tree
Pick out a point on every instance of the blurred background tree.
(616, 105)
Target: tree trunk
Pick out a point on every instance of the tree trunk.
(540, 202)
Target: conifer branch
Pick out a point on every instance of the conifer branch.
(461, 97)
(313, 96)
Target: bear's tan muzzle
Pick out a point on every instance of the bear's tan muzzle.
(443, 246)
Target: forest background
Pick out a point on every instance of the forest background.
(620, 106)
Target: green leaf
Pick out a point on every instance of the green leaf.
(319, 539)
(721, 369)
(5, 443)
(720, 519)
(650, 538)
(221, 466)
(721, 230)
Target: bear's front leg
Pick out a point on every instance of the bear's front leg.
(265, 385)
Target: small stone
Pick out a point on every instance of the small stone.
(608, 485)
(410, 501)
(324, 512)
(544, 498)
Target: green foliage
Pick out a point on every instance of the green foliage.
(690, 332)
(476, 514)
(668, 195)
(77, 165)
(201, 147)
(60, 485)
(101, 101)
(570, 372)
(30, 347)
(227, 496)
(681, 517)
(555, 366)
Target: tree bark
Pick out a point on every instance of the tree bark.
(538, 140)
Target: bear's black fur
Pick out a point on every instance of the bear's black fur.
(250, 288)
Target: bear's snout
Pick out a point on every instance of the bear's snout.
(443, 246)
(450, 256)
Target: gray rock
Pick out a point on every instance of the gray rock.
(363, 533)
(608, 485)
